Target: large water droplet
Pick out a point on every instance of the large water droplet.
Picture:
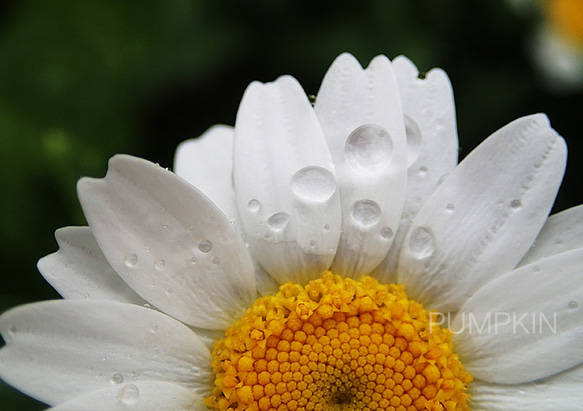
(313, 184)
(116, 378)
(129, 394)
(366, 212)
(254, 206)
(131, 260)
(572, 304)
(205, 246)
(422, 243)
(413, 140)
(369, 149)
(278, 221)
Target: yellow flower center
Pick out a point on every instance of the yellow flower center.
(567, 17)
(338, 344)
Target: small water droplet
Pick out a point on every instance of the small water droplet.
(132, 373)
(254, 206)
(413, 140)
(216, 261)
(160, 264)
(422, 243)
(205, 246)
(165, 226)
(169, 290)
(131, 260)
(422, 171)
(190, 261)
(365, 212)
(313, 184)
(450, 207)
(572, 304)
(369, 149)
(536, 268)
(146, 305)
(312, 243)
(278, 221)
(224, 239)
(326, 227)
(129, 394)
(516, 204)
(148, 248)
(153, 328)
(116, 378)
(387, 233)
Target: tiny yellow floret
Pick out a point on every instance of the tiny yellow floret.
(338, 344)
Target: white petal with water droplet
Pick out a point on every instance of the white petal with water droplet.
(485, 236)
(526, 324)
(80, 271)
(362, 119)
(141, 214)
(58, 350)
(432, 144)
(559, 392)
(207, 163)
(562, 232)
(285, 182)
(146, 395)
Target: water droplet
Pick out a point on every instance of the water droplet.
(165, 226)
(387, 233)
(366, 212)
(369, 149)
(326, 227)
(254, 206)
(516, 204)
(146, 305)
(116, 378)
(132, 373)
(313, 184)
(278, 221)
(422, 171)
(160, 264)
(205, 246)
(216, 260)
(450, 207)
(224, 239)
(572, 304)
(169, 290)
(131, 260)
(536, 268)
(312, 243)
(12, 329)
(422, 243)
(190, 261)
(413, 140)
(129, 394)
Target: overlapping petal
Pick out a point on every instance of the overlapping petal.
(59, 350)
(285, 182)
(483, 218)
(361, 115)
(169, 242)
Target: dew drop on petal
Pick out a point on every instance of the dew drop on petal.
(422, 243)
(413, 140)
(572, 304)
(312, 243)
(516, 204)
(205, 246)
(154, 328)
(190, 261)
(422, 171)
(129, 394)
(313, 184)
(277, 222)
(536, 268)
(216, 261)
(450, 207)
(160, 264)
(130, 260)
(365, 212)
(387, 233)
(116, 378)
(326, 227)
(254, 206)
(169, 291)
(369, 149)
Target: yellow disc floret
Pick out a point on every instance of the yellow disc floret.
(338, 344)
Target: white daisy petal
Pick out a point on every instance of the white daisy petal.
(285, 182)
(207, 163)
(483, 218)
(432, 143)
(562, 232)
(58, 350)
(559, 392)
(145, 395)
(169, 242)
(362, 119)
(80, 271)
(525, 325)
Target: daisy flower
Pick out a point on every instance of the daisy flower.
(331, 256)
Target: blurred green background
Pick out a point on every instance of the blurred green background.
(83, 80)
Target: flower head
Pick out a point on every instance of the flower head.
(328, 256)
